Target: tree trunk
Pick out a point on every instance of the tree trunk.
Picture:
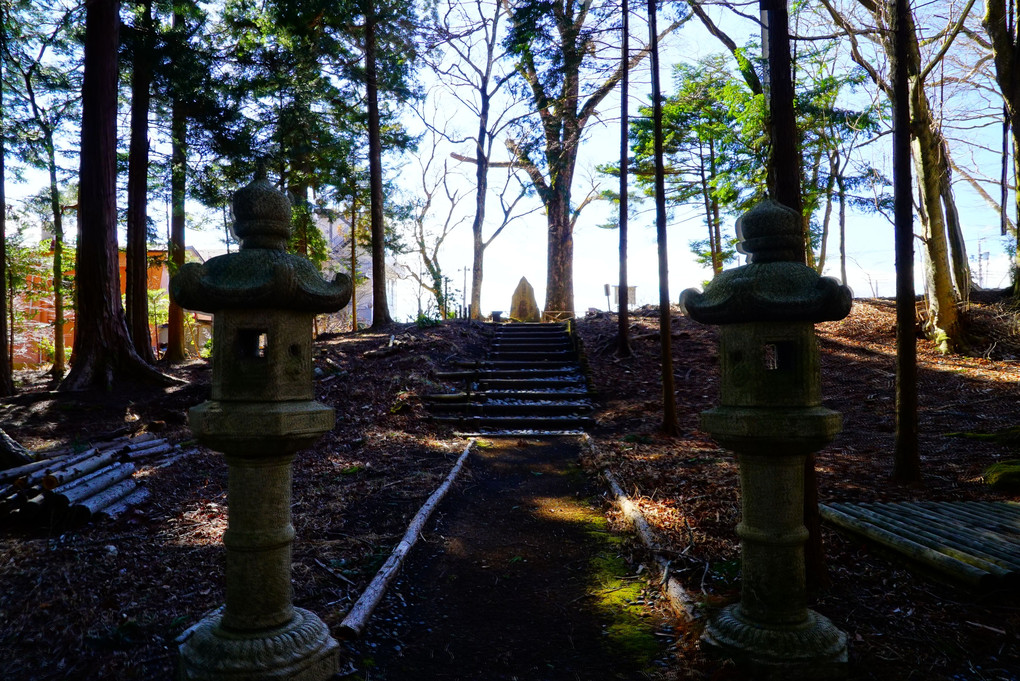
(103, 353)
(943, 326)
(559, 293)
(954, 231)
(482, 154)
(380, 308)
(670, 426)
(906, 458)
(842, 227)
(175, 350)
(623, 308)
(136, 255)
(784, 161)
(354, 261)
(1001, 26)
(59, 354)
(6, 377)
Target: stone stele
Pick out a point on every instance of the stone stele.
(523, 307)
(262, 410)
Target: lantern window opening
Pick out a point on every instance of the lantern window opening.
(252, 343)
(778, 356)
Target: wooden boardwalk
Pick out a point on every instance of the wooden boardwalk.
(976, 543)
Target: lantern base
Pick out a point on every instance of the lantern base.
(301, 650)
(812, 649)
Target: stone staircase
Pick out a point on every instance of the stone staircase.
(530, 384)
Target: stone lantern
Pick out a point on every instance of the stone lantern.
(770, 415)
(262, 410)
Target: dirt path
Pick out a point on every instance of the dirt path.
(518, 578)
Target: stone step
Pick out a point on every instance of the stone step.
(517, 365)
(529, 383)
(580, 393)
(552, 356)
(530, 409)
(502, 423)
(551, 344)
(469, 374)
(519, 433)
(530, 327)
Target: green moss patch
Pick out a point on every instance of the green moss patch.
(1004, 475)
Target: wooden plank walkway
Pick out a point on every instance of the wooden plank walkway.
(973, 542)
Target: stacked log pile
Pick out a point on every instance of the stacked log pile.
(73, 487)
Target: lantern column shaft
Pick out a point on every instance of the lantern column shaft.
(258, 541)
(772, 536)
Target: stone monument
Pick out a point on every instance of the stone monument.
(770, 415)
(262, 410)
(523, 307)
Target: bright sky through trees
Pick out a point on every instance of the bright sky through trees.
(521, 249)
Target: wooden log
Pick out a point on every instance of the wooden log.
(82, 510)
(679, 598)
(35, 477)
(12, 474)
(12, 454)
(941, 543)
(358, 616)
(947, 565)
(70, 494)
(33, 472)
(69, 473)
(147, 453)
(141, 446)
(140, 495)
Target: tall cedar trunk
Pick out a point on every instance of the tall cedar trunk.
(623, 308)
(103, 352)
(59, 352)
(380, 308)
(354, 261)
(175, 351)
(669, 418)
(784, 161)
(786, 171)
(136, 309)
(6, 377)
(906, 462)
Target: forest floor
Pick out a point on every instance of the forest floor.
(106, 601)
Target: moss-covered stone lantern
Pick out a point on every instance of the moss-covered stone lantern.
(262, 410)
(770, 414)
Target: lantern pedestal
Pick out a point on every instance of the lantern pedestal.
(300, 650)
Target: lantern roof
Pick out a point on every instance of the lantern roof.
(261, 274)
(774, 286)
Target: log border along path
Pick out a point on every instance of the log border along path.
(518, 575)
